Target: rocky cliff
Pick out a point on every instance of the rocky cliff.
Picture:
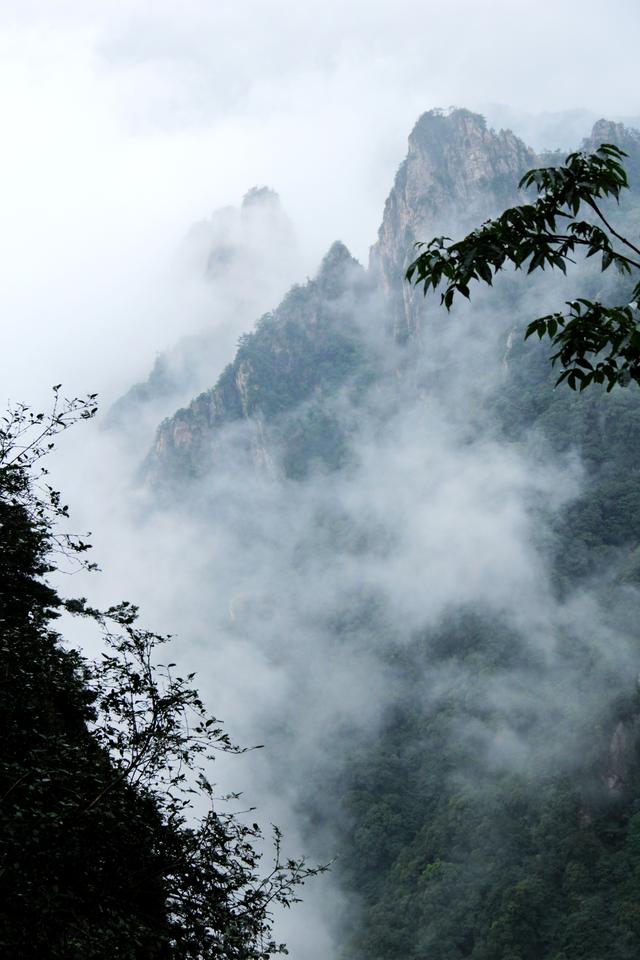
(457, 173)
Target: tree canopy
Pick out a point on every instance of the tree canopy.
(593, 342)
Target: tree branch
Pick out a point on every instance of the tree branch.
(611, 230)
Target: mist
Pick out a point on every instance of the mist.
(286, 596)
(126, 127)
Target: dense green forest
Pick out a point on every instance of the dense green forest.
(453, 860)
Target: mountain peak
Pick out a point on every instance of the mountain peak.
(608, 131)
(628, 139)
(338, 271)
(434, 124)
(456, 157)
(337, 255)
(260, 197)
(457, 173)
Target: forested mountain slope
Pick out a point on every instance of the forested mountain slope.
(307, 348)
(473, 540)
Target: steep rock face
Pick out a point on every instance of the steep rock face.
(457, 173)
(308, 346)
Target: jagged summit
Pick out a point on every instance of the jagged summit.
(337, 253)
(261, 196)
(338, 265)
(262, 215)
(608, 131)
(628, 139)
(435, 124)
(460, 153)
(457, 172)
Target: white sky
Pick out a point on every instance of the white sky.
(123, 121)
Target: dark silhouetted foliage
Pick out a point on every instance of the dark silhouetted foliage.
(102, 854)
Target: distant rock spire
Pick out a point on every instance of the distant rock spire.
(261, 196)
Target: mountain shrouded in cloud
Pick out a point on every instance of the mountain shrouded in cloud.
(411, 570)
(391, 551)
(456, 168)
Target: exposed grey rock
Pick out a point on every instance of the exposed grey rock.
(457, 173)
(622, 757)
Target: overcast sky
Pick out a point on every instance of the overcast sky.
(124, 121)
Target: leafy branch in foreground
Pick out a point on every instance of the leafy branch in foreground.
(112, 841)
(594, 343)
